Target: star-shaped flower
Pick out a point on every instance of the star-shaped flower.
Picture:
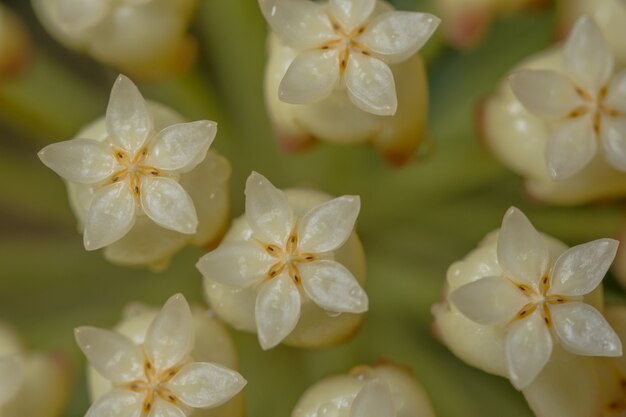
(586, 103)
(289, 260)
(135, 170)
(540, 302)
(342, 45)
(158, 378)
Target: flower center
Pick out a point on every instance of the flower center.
(539, 299)
(346, 43)
(288, 257)
(595, 106)
(133, 169)
(153, 386)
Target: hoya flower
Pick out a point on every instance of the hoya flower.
(156, 377)
(383, 390)
(283, 260)
(141, 182)
(541, 301)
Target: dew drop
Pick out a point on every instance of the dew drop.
(354, 292)
(333, 313)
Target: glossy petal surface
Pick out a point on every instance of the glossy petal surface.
(351, 13)
(206, 385)
(333, 287)
(545, 93)
(167, 203)
(83, 161)
(371, 85)
(239, 264)
(571, 148)
(111, 215)
(373, 400)
(311, 77)
(277, 310)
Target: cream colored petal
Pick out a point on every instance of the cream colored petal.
(395, 36)
(170, 337)
(527, 348)
(545, 93)
(522, 251)
(311, 77)
(583, 330)
(238, 264)
(165, 409)
(489, 300)
(84, 161)
(373, 400)
(581, 269)
(351, 13)
(128, 121)
(167, 203)
(588, 58)
(113, 355)
(616, 92)
(79, 15)
(182, 146)
(326, 227)
(300, 23)
(111, 215)
(613, 138)
(117, 403)
(370, 84)
(277, 310)
(10, 377)
(333, 287)
(571, 148)
(267, 210)
(201, 384)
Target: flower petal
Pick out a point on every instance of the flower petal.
(277, 310)
(588, 58)
(84, 161)
(117, 403)
(545, 93)
(11, 377)
(333, 287)
(327, 227)
(580, 269)
(167, 203)
(371, 85)
(395, 36)
(489, 300)
(201, 384)
(113, 355)
(584, 331)
(165, 409)
(571, 148)
(111, 215)
(616, 92)
(170, 337)
(522, 251)
(182, 146)
(78, 15)
(300, 23)
(128, 121)
(267, 210)
(238, 264)
(311, 77)
(613, 138)
(527, 348)
(351, 13)
(373, 400)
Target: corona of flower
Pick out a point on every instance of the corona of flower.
(287, 260)
(157, 377)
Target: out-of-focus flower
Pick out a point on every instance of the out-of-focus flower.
(141, 185)
(291, 269)
(145, 38)
(15, 45)
(155, 375)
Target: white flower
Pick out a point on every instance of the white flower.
(586, 104)
(286, 258)
(540, 302)
(341, 46)
(157, 378)
(135, 170)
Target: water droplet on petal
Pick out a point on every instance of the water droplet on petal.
(333, 313)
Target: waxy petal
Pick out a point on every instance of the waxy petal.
(371, 86)
(182, 146)
(238, 264)
(267, 210)
(588, 58)
(571, 148)
(78, 15)
(277, 310)
(111, 215)
(117, 403)
(544, 93)
(10, 377)
(113, 355)
(167, 203)
(373, 400)
(527, 347)
(580, 269)
(395, 36)
(311, 77)
(83, 161)
(165, 409)
(616, 92)
(326, 227)
(128, 121)
(333, 287)
(522, 251)
(489, 300)
(350, 13)
(613, 138)
(206, 385)
(584, 331)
